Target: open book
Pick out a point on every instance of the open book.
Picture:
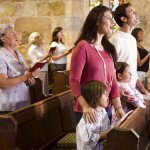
(120, 121)
(36, 66)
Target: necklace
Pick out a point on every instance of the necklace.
(104, 65)
(105, 70)
(16, 57)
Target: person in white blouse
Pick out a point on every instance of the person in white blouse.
(36, 53)
(89, 134)
(60, 59)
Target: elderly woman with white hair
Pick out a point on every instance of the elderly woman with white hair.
(36, 53)
(14, 75)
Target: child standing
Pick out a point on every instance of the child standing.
(124, 76)
(89, 134)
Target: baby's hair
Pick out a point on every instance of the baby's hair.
(92, 91)
(120, 67)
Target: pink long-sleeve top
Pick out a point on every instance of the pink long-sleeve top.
(87, 65)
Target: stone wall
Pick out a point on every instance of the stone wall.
(43, 16)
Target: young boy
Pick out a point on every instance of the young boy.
(88, 135)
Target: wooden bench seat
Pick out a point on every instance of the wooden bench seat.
(38, 126)
(67, 142)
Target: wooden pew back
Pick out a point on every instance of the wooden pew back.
(38, 126)
(132, 134)
(61, 82)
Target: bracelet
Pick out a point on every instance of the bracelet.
(118, 108)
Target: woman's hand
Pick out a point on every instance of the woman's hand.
(30, 77)
(144, 91)
(118, 107)
(89, 115)
(31, 81)
(120, 112)
(32, 74)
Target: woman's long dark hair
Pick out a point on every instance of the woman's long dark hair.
(91, 27)
(54, 35)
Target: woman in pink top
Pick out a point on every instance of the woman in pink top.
(93, 59)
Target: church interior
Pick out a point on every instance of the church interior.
(48, 122)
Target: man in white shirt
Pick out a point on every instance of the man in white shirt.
(126, 47)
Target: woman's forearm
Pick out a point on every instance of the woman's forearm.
(6, 83)
(56, 57)
(142, 61)
(82, 102)
(116, 102)
(118, 107)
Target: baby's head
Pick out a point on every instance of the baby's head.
(123, 72)
(95, 93)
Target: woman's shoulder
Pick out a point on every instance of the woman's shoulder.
(53, 44)
(32, 47)
(4, 52)
(83, 42)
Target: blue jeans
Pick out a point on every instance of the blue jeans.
(78, 116)
(109, 113)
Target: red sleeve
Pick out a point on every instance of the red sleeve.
(114, 89)
(77, 64)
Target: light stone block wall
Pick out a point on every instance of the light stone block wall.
(43, 16)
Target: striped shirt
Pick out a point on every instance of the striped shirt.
(88, 135)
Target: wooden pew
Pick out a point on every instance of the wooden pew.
(38, 126)
(61, 82)
(36, 91)
(133, 133)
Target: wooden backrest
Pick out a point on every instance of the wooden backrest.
(132, 134)
(38, 126)
(61, 81)
(67, 113)
(36, 91)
